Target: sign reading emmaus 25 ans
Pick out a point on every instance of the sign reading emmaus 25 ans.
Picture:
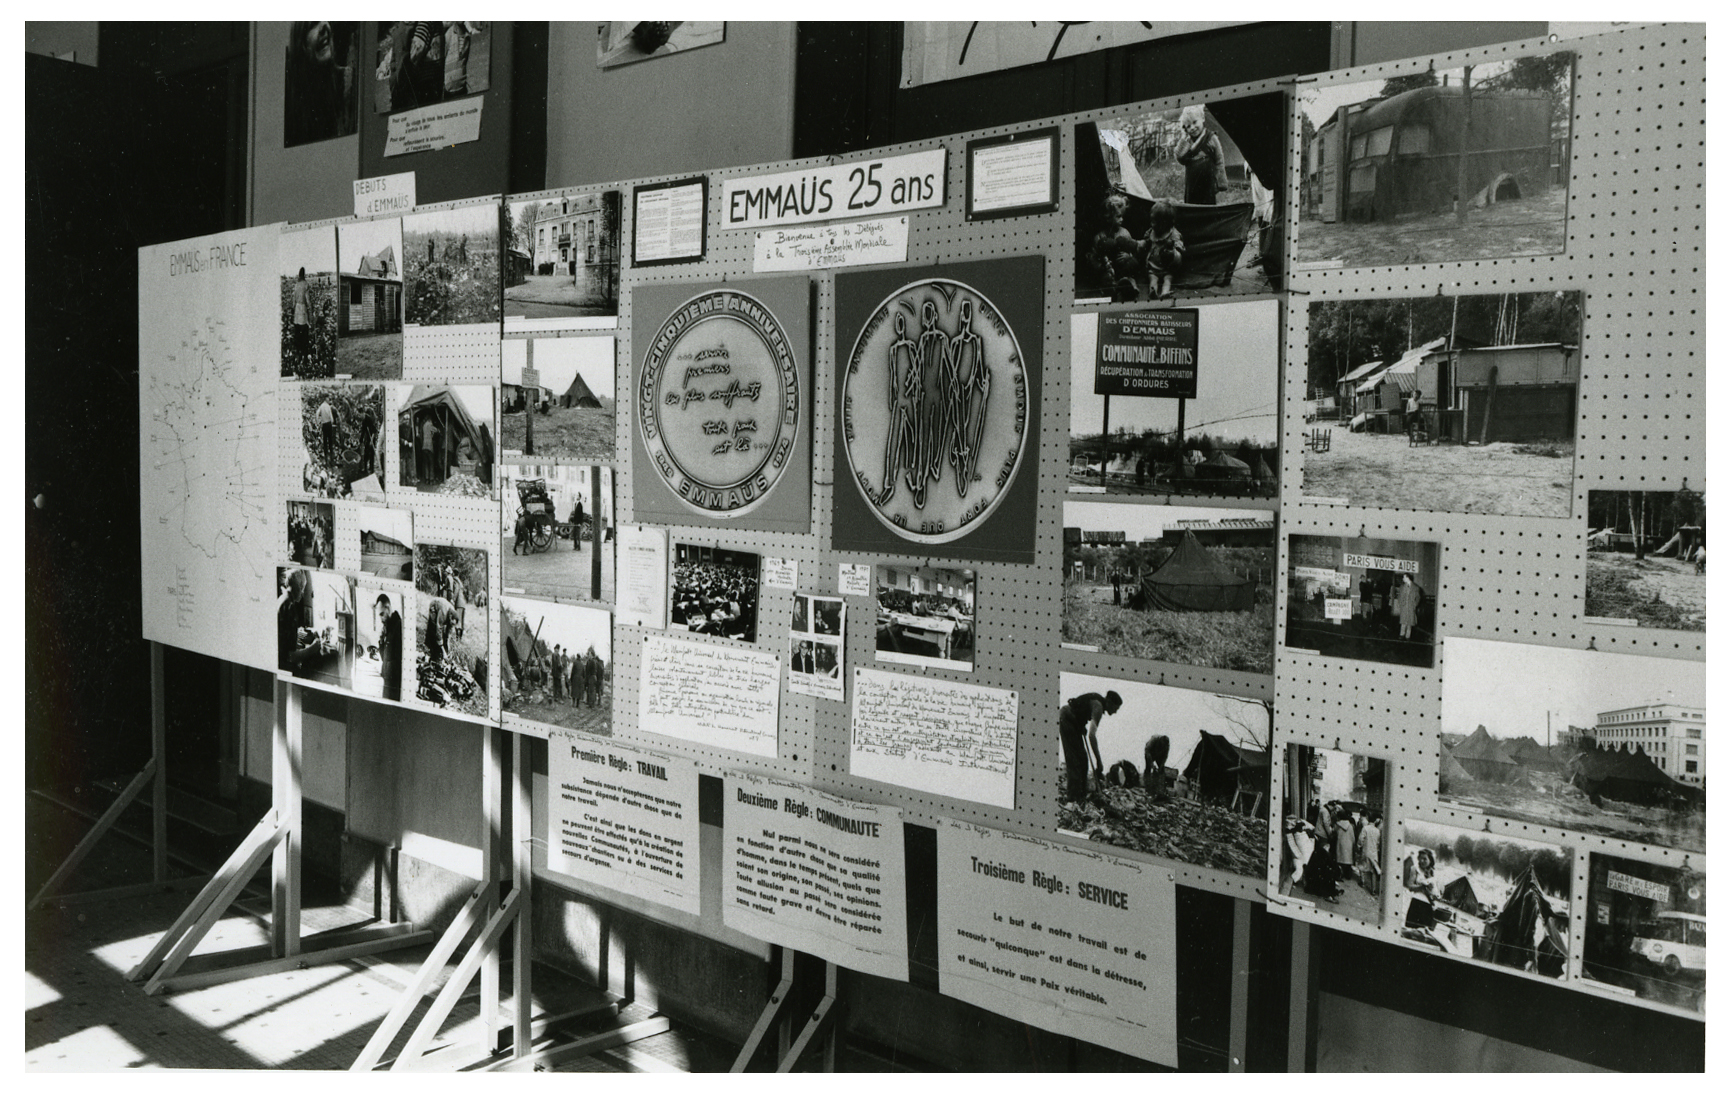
(721, 404)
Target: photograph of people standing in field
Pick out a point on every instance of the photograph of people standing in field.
(307, 261)
(451, 267)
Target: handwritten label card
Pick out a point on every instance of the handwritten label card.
(780, 573)
(719, 696)
(958, 740)
(854, 579)
(826, 246)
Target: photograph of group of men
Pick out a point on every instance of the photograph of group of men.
(555, 664)
(312, 534)
(926, 616)
(341, 426)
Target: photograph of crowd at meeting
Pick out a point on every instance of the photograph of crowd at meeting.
(315, 620)
(341, 426)
(1332, 845)
(308, 264)
(1365, 599)
(715, 591)
(1647, 557)
(451, 644)
(451, 266)
(1453, 404)
(445, 439)
(312, 539)
(556, 664)
(926, 616)
(1647, 929)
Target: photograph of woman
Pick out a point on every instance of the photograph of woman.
(319, 82)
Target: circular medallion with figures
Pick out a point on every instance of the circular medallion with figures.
(935, 410)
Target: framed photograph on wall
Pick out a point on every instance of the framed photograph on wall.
(669, 221)
(1013, 175)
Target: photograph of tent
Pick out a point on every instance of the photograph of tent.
(556, 665)
(1647, 557)
(1608, 744)
(1163, 771)
(1647, 930)
(1367, 599)
(1333, 846)
(1436, 166)
(558, 531)
(1181, 584)
(340, 453)
(307, 263)
(445, 438)
(370, 299)
(451, 643)
(561, 260)
(566, 412)
(387, 541)
(451, 267)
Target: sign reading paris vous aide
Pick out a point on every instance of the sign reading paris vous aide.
(892, 184)
(1147, 353)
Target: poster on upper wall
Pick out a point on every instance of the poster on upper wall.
(420, 64)
(307, 263)
(556, 665)
(623, 43)
(1647, 930)
(452, 643)
(1449, 165)
(949, 50)
(445, 439)
(721, 392)
(322, 71)
(938, 404)
(558, 525)
(1647, 558)
(339, 447)
(557, 399)
(1179, 202)
(562, 261)
(208, 340)
(1603, 743)
(370, 299)
(1332, 843)
(1364, 599)
(451, 268)
(1451, 404)
(316, 626)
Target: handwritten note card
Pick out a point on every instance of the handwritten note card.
(854, 578)
(780, 573)
(824, 246)
(958, 740)
(720, 696)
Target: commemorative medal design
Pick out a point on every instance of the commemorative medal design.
(935, 410)
(719, 405)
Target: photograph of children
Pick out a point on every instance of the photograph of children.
(370, 299)
(341, 427)
(307, 262)
(1332, 847)
(621, 43)
(445, 439)
(315, 625)
(556, 665)
(1436, 166)
(567, 413)
(312, 535)
(421, 64)
(451, 267)
(379, 654)
(451, 636)
(558, 533)
(1367, 599)
(1647, 930)
(1187, 778)
(1485, 896)
(1224, 442)
(1181, 584)
(715, 591)
(387, 542)
(1452, 404)
(926, 616)
(1604, 743)
(321, 70)
(561, 260)
(1647, 557)
(1177, 203)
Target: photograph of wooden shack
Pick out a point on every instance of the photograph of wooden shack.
(1647, 929)
(1647, 557)
(370, 299)
(562, 259)
(1367, 599)
(445, 439)
(387, 542)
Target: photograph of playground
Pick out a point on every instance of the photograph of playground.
(556, 665)
(1647, 557)
(1647, 930)
(1367, 599)
(568, 413)
(1333, 847)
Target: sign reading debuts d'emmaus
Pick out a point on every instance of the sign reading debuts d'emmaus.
(833, 191)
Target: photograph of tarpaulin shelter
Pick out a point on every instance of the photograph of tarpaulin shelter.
(1529, 933)
(439, 408)
(1222, 770)
(1192, 580)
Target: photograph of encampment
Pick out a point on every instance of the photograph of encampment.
(926, 616)
(1647, 930)
(715, 591)
(445, 438)
(1181, 584)
(307, 262)
(451, 643)
(322, 71)
(1436, 166)
(1367, 599)
(315, 625)
(1603, 743)
(1453, 404)
(1223, 442)
(1486, 896)
(1179, 774)
(312, 534)
(341, 426)
(556, 664)
(1178, 202)
(421, 64)
(370, 299)
(379, 652)
(387, 541)
(556, 399)
(451, 267)
(562, 259)
(1332, 839)
(558, 533)
(1647, 557)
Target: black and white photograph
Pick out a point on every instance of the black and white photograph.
(556, 664)
(1647, 930)
(315, 625)
(451, 642)
(312, 534)
(1223, 440)
(815, 637)
(558, 533)
(1647, 558)
(562, 260)
(370, 299)
(557, 398)
(1182, 584)
(1363, 598)
(340, 452)
(422, 64)
(445, 439)
(715, 591)
(1445, 165)
(1333, 841)
(451, 267)
(1178, 774)
(307, 262)
(1181, 203)
(1451, 404)
(387, 541)
(1485, 896)
(815, 657)
(926, 616)
(322, 71)
(1608, 744)
(623, 43)
(379, 649)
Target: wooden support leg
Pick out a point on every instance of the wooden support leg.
(821, 1022)
(159, 757)
(1298, 1002)
(771, 1010)
(521, 871)
(285, 920)
(94, 836)
(226, 890)
(492, 811)
(262, 837)
(1238, 1026)
(459, 981)
(430, 969)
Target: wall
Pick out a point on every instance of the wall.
(309, 182)
(1368, 43)
(57, 39)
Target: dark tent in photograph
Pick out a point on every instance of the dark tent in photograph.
(1485, 759)
(1219, 467)
(520, 643)
(1528, 933)
(579, 395)
(1192, 580)
(1453, 777)
(1626, 777)
(1220, 769)
(1532, 755)
(446, 410)
(1460, 893)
